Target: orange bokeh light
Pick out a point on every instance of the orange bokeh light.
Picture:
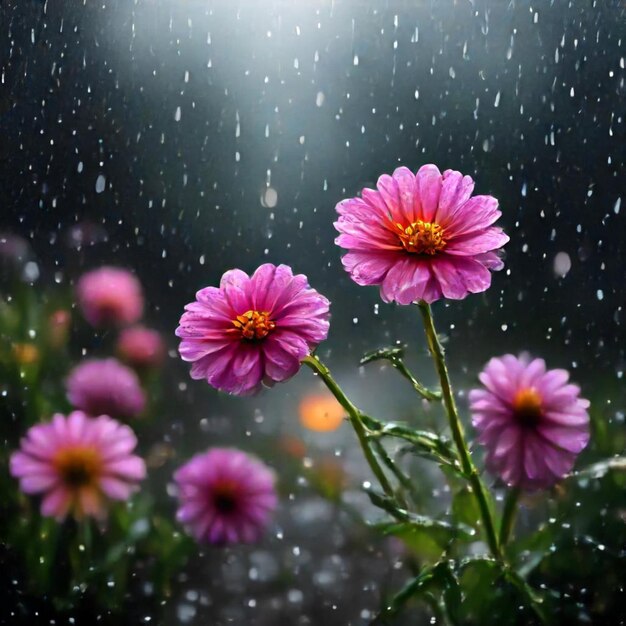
(321, 412)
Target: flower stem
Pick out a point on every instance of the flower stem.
(356, 420)
(508, 515)
(403, 479)
(478, 488)
(423, 391)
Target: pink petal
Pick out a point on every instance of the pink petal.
(477, 213)
(477, 242)
(56, 503)
(279, 363)
(131, 468)
(407, 281)
(409, 202)
(116, 489)
(459, 276)
(428, 182)
(369, 268)
(456, 189)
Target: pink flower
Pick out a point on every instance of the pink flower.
(105, 387)
(110, 296)
(252, 329)
(531, 422)
(78, 464)
(140, 347)
(225, 496)
(421, 236)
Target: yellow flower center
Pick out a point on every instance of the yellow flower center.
(78, 467)
(527, 406)
(422, 237)
(254, 325)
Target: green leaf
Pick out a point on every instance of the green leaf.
(424, 443)
(433, 580)
(386, 504)
(452, 596)
(602, 468)
(479, 579)
(390, 352)
(425, 537)
(413, 588)
(465, 509)
(395, 356)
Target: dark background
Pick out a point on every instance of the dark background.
(528, 99)
(163, 123)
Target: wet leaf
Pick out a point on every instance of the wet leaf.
(465, 509)
(391, 352)
(602, 468)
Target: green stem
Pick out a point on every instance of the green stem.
(356, 419)
(403, 479)
(423, 391)
(508, 515)
(480, 493)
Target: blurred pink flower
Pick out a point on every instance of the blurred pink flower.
(225, 496)
(421, 236)
(105, 387)
(531, 422)
(78, 464)
(110, 296)
(141, 347)
(252, 329)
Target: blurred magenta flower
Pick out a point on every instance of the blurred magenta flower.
(105, 387)
(110, 296)
(531, 422)
(225, 496)
(59, 324)
(78, 463)
(252, 329)
(14, 251)
(421, 236)
(140, 347)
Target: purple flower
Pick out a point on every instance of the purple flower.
(78, 464)
(532, 423)
(140, 347)
(252, 329)
(225, 496)
(110, 296)
(421, 236)
(105, 387)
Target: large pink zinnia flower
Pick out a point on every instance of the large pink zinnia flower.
(225, 496)
(531, 422)
(110, 296)
(105, 387)
(421, 236)
(252, 329)
(78, 463)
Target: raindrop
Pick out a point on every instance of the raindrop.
(185, 612)
(269, 198)
(562, 264)
(100, 183)
(31, 272)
